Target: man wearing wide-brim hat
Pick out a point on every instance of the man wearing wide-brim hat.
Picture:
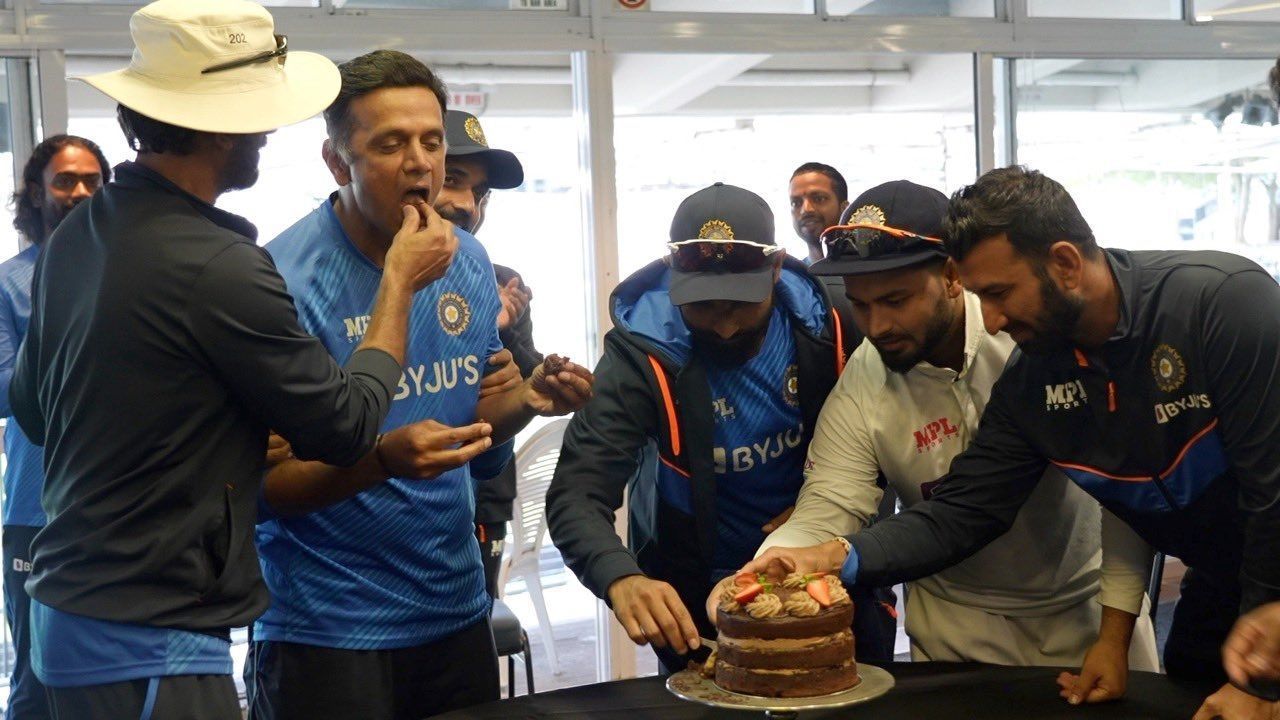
(152, 386)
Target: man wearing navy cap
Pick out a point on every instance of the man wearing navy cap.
(910, 402)
(721, 355)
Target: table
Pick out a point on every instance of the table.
(924, 690)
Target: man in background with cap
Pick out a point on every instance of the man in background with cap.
(152, 386)
(908, 403)
(472, 169)
(62, 172)
(379, 608)
(721, 355)
(818, 194)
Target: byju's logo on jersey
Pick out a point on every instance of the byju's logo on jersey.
(791, 386)
(1170, 410)
(1169, 369)
(454, 313)
(419, 380)
(356, 327)
(1065, 396)
(748, 457)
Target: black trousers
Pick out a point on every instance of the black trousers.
(180, 697)
(27, 699)
(291, 681)
(1202, 619)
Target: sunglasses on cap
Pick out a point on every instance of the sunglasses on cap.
(719, 255)
(282, 49)
(868, 241)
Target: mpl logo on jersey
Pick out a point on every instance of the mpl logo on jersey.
(934, 433)
(419, 380)
(356, 327)
(1065, 396)
(722, 409)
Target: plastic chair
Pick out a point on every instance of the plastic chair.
(535, 464)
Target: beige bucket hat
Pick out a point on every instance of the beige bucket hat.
(218, 66)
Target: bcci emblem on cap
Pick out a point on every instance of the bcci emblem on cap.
(715, 230)
(454, 313)
(791, 386)
(1169, 369)
(475, 132)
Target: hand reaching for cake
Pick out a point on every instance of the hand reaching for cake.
(778, 562)
(651, 612)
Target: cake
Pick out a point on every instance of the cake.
(791, 639)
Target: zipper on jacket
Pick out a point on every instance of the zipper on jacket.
(1111, 395)
(1164, 491)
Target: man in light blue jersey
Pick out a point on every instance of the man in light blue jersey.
(63, 171)
(379, 607)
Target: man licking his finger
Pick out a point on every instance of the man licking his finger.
(379, 608)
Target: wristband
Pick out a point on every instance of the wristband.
(844, 542)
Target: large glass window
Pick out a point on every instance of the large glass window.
(801, 7)
(902, 8)
(875, 118)
(1163, 154)
(1236, 11)
(13, 80)
(1109, 9)
(268, 3)
(459, 4)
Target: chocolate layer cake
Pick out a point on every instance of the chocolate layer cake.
(788, 640)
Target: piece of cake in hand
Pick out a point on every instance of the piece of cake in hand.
(792, 639)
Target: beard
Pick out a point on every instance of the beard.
(53, 213)
(934, 333)
(728, 352)
(1056, 323)
(241, 170)
(461, 218)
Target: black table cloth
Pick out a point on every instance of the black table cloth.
(923, 690)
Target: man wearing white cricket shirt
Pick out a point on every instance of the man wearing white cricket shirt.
(908, 402)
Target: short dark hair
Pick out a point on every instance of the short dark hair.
(27, 216)
(374, 71)
(837, 180)
(1273, 79)
(148, 135)
(1034, 211)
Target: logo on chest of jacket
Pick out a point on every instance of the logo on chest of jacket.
(454, 313)
(791, 386)
(934, 433)
(1065, 396)
(1168, 368)
(722, 409)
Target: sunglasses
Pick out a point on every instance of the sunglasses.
(869, 241)
(719, 255)
(282, 49)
